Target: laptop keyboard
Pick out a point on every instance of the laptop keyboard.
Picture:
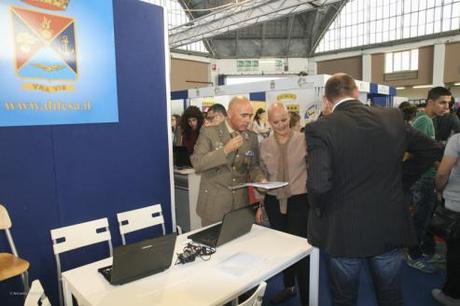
(106, 272)
(208, 236)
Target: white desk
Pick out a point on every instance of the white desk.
(200, 282)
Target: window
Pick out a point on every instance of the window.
(401, 61)
(376, 21)
(176, 17)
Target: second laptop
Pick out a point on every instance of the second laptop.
(235, 223)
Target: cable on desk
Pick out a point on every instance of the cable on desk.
(191, 251)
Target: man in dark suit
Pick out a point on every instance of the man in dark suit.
(356, 184)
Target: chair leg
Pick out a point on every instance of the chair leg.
(67, 296)
(61, 301)
(25, 282)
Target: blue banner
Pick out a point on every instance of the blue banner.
(57, 62)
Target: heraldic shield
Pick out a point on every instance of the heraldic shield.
(45, 45)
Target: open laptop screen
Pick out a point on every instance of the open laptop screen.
(141, 259)
(235, 223)
(181, 157)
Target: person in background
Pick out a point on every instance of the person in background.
(356, 182)
(191, 123)
(446, 125)
(282, 156)
(226, 155)
(409, 111)
(456, 109)
(421, 107)
(422, 256)
(295, 121)
(216, 114)
(327, 109)
(259, 126)
(448, 182)
(175, 128)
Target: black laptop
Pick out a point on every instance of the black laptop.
(140, 259)
(235, 223)
(181, 157)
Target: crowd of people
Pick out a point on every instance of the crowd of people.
(186, 128)
(363, 183)
(439, 185)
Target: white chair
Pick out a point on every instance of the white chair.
(137, 219)
(178, 230)
(36, 295)
(257, 297)
(10, 263)
(77, 236)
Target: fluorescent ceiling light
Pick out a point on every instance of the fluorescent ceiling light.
(399, 88)
(423, 86)
(457, 84)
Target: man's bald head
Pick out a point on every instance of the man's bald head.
(239, 113)
(276, 108)
(236, 101)
(278, 117)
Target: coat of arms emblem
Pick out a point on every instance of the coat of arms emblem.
(45, 44)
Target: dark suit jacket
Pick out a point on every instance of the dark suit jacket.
(356, 179)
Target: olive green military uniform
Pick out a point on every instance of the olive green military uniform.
(219, 171)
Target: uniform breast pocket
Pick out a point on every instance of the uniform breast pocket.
(217, 145)
(248, 156)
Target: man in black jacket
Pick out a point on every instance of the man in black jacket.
(356, 184)
(446, 125)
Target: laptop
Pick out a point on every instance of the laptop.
(140, 259)
(181, 157)
(235, 223)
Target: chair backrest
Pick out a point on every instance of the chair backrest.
(36, 295)
(137, 219)
(5, 224)
(5, 221)
(77, 236)
(257, 297)
(18, 266)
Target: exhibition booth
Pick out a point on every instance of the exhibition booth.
(303, 95)
(87, 136)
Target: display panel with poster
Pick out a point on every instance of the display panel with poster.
(259, 104)
(50, 71)
(204, 103)
(177, 107)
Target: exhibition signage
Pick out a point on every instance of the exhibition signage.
(57, 62)
(301, 101)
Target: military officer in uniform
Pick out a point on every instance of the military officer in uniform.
(226, 155)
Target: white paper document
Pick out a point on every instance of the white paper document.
(267, 185)
(240, 263)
